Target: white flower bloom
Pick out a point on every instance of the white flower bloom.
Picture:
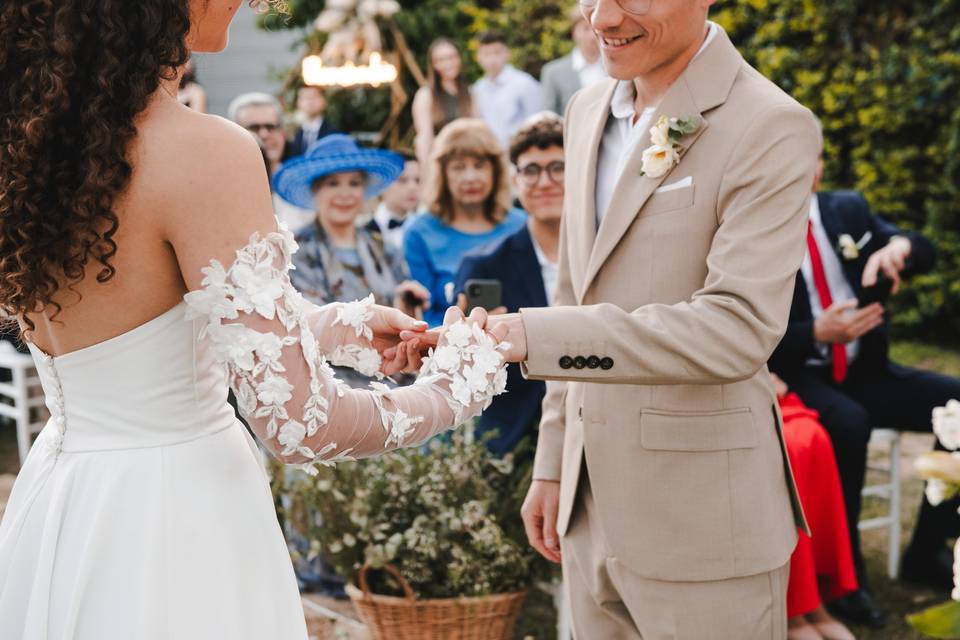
(446, 358)
(291, 436)
(936, 491)
(212, 302)
(500, 381)
(487, 359)
(848, 246)
(459, 334)
(946, 424)
(356, 314)
(274, 390)
(270, 347)
(660, 132)
(460, 390)
(235, 343)
(368, 362)
(258, 288)
(658, 160)
(476, 378)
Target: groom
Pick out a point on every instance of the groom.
(660, 476)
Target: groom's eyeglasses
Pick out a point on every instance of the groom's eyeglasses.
(530, 173)
(636, 7)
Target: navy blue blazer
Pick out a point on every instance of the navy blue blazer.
(296, 147)
(513, 261)
(846, 212)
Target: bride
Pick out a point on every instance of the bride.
(139, 252)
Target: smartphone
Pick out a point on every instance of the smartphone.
(880, 292)
(483, 293)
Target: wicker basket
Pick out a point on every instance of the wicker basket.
(406, 618)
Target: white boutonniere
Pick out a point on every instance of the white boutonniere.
(664, 153)
(849, 248)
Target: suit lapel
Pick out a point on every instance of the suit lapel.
(583, 224)
(704, 84)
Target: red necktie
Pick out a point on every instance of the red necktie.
(823, 290)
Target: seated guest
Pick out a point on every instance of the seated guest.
(398, 201)
(311, 105)
(821, 567)
(563, 77)
(339, 261)
(835, 358)
(468, 202)
(262, 115)
(525, 263)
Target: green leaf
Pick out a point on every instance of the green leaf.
(942, 621)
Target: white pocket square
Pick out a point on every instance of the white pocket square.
(679, 184)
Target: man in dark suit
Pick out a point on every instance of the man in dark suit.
(312, 105)
(835, 357)
(525, 263)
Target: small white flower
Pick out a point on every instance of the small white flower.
(257, 288)
(446, 358)
(658, 160)
(235, 344)
(368, 362)
(487, 359)
(291, 436)
(274, 390)
(270, 347)
(848, 247)
(500, 381)
(660, 132)
(459, 334)
(946, 424)
(936, 491)
(460, 390)
(476, 378)
(356, 314)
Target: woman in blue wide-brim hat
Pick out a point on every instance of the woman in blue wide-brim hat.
(338, 260)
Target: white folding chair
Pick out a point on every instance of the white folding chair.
(22, 398)
(890, 491)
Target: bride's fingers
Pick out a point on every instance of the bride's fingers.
(396, 364)
(389, 354)
(427, 339)
(452, 315)
(414, 360)
(478, 316)
(499, 331)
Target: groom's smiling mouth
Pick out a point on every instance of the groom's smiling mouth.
(613, 44)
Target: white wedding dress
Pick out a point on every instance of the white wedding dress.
(142, 511)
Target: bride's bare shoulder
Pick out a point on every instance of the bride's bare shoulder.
(188, 162)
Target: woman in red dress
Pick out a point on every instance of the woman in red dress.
(821, 568)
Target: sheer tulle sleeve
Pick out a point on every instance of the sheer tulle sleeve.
(279, 348)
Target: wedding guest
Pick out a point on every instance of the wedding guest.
(311, 106)
(525, 263)
(338, 260)
(191, 93)
(397, 203)
(835, 358)
(821, 567)
(582, 67)
(468, 205)
(262, 115)
(445, 98)
(505, 96)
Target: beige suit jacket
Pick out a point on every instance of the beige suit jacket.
(685, 293)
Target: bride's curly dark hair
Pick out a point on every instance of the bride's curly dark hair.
(74, 75)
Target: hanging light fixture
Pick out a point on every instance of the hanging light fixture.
(352, 55)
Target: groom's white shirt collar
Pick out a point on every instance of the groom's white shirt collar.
(622, 134)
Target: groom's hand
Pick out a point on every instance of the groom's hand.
(539, 513)
(516, 335)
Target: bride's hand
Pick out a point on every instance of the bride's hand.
(387, 324)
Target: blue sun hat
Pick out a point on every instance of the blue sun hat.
(335, 153)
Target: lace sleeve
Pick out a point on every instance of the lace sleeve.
(278, 349)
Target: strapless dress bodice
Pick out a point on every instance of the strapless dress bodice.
(155, 385)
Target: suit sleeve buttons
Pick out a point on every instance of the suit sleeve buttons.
(593, 362)
(606, 364)
(579, 362)
(566, 362)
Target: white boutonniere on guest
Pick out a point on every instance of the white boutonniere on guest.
(849, 248)
(664, 153)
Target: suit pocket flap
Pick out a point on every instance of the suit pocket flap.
(669, 200)
(697, 431)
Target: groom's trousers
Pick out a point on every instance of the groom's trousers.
(611, 602)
